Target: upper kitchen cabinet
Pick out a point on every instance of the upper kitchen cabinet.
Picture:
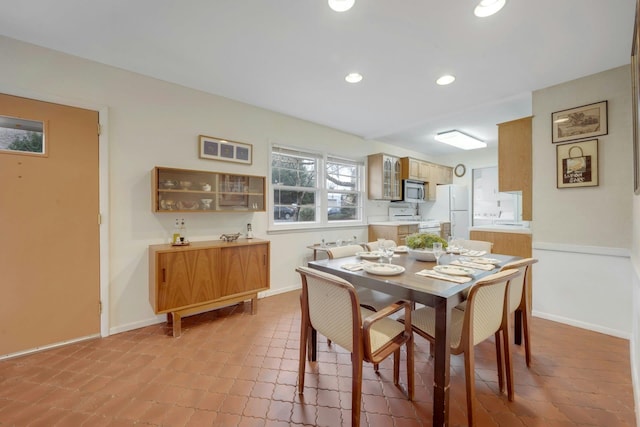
(384, 177)
(438, 175)
(183, 190)
(431, 173)
(415, 169)
(514, 161)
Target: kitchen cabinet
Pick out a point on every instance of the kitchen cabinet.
(183, 190)
(390, 231)
(431, 173)
(203, 276)
(515, 161)
(508, 242)
(384, 174)
(415, 169)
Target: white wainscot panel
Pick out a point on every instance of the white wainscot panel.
(587, 287)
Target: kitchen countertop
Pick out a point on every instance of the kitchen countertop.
(502, 229)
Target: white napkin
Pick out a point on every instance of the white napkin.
(352, 267)
(473, 253)
(441, 276)
(485, 267)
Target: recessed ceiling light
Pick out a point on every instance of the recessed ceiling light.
(341, 5)
(445, 80)
(460, 140)
(488, 7)
(353, 77)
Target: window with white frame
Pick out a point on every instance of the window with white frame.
(314, 188)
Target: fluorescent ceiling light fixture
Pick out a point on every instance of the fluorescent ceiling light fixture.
(488, 7)
(445, 80)
(460, 140)
(341, 5)
(353, 77)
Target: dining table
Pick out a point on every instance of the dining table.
(442, 295)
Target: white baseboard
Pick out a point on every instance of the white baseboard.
(48, 347)
(162, 318)
(582, 325)
(272, 292)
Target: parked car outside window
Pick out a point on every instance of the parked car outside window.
(283, 212)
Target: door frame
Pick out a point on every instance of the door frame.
(103, 182)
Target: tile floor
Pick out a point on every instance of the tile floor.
(230, 368)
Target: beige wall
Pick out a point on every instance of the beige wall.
(596, 216)
(154, 123)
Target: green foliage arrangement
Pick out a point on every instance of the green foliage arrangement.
(424, 241)
(31, 142)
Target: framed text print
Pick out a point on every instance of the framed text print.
(577, 164)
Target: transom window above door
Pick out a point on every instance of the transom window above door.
(21, 136)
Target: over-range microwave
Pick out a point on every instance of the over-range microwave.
(413, 191)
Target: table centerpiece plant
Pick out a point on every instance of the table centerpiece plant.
(421, 244)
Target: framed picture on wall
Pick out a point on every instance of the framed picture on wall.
(577, 164)
(579, 123)
(223, 149)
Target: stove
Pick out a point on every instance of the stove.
(409, 214)
(403, 214)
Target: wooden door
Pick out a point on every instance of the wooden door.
(49, 207)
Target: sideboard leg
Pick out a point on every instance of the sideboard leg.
(177, 324)
(254, 305)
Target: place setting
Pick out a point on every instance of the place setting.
(451, 273)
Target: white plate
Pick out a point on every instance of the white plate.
(454, 270)
(486, 260)
(383, 269)
(401, 249)
(369, 255)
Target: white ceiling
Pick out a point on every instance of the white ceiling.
(291, 56)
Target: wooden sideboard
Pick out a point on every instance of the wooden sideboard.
(202, 276)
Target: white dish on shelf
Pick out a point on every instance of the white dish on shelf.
(369, 255)
(383, 269)
(188, 205)
(454, 270)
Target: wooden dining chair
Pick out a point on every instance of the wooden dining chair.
(374, 246)
(483, 317)
(344, 251)
(519, 292)
(330, 306)
(476, 245)
(373, 300)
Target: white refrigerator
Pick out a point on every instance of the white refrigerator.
(452, 205)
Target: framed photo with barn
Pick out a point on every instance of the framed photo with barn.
(579, 123)
(577, 164)
(223, 149)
